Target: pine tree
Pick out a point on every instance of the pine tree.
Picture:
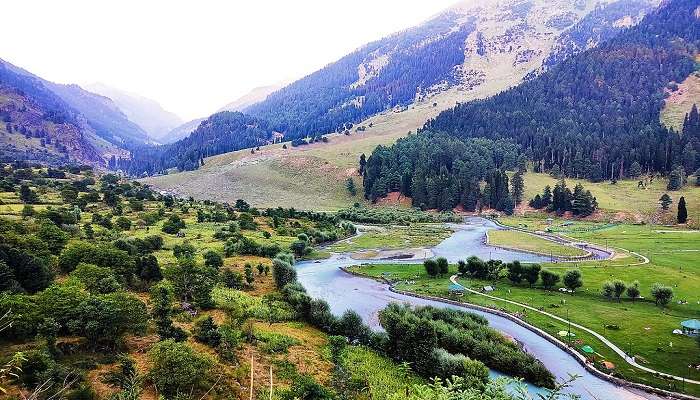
(676, 179)
(517, 187)
(682, 211)
(665, 201)
(350, 186)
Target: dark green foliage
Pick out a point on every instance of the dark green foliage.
(53, 236)
(555, 117)
(517, 187)
(97, 280)
(173, 225)
(102, 255)
(177, 368)
(206, 331)
(192, 282)
(662, 294)
(682, 211)
(572, 279)
(442, 266)
(416, 335)
(27, 195)
(350, 325)
(243, 245)
(22, 271)
(105, 318)
(305, 387)
(161, 313)
(184, 250)
(147, 268)
(350, 186)
(515, 272)
(531, 272)
(549, 279)
(676, 179)
(665, 201)
(231, 279)
(431, 268)
(439, 172)
(213, 259)
(283, 272)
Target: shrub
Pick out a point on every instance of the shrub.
(178, 368)
(549, 279)
(206, 331)
(283, 273)
(97, 280)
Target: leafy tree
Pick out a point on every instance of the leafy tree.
(249, 276)
(431, 268)
(619, 288)
(148, 269)
(192, 282)
(123, 223)
(53, 236)
(232, 279)
(682, 211)
(27, 195)
(549, 279)
(185, 250)
(635, 170)
(442, 266)
(531, 273)
(633, 291)
(608, 290)
(662, 294)
(213, 259)
(206, 331)
(161, 312)
(23, 270)
(105, 318)
(515, 272)
(97, 280)
(177, 368)
(572, 279)
(173, 225)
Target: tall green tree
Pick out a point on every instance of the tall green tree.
(682, 211)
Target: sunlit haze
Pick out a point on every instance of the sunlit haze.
(195, 56)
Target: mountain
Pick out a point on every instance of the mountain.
(146, 113)
(181, 131)
(458, 51)
(254, 96)
(597, 114)
(39, 125)
(100, 113)
(222, 132)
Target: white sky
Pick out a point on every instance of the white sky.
(194, 56)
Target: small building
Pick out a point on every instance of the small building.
(456, 289)
(691, 327)
(488, 289)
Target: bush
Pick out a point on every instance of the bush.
(206, 331)
(97, 280)
(173, 225)
(283, 273)
(177, 368)
(213, 259)
(229, 341)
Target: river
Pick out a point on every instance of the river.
(324, 279)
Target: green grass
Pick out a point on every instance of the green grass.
(371, 376)
(394, 237)
(672, 263)
(524, 241)
(624, 200)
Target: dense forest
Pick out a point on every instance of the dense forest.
(597, 114)
(441, 172)
(396, 69)
(222, 132)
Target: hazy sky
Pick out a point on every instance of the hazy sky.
(195, 56)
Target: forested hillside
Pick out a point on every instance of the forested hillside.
(453, 50)
(441, 172)
(597, 114)
(220, 133)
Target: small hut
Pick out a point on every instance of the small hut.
(456, 289)
(691, 327)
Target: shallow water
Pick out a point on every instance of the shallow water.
(324, 279)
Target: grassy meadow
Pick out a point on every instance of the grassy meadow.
(639, 327)
(524, 241)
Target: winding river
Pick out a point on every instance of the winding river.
(324, 279)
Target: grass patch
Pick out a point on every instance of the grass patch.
(524, 241)
(395, 237)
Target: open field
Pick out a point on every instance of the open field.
(639, 327)
(527, 242)
(624, 200)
